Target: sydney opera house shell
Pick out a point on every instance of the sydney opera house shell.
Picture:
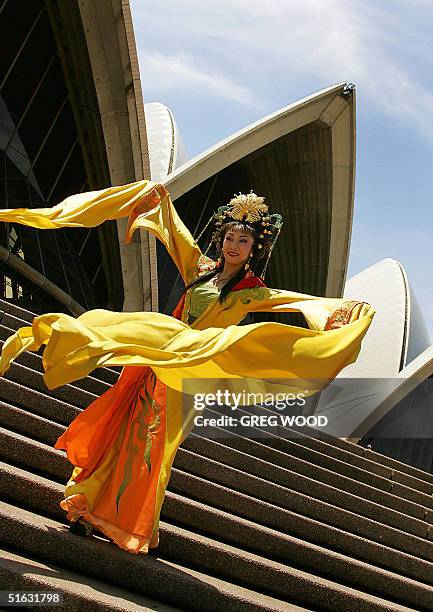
(384, 400)
(301, 158)
(73, 119)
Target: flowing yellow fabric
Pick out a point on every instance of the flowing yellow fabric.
(147, 204)
(124, 444)
(174, 351)
(96, 338)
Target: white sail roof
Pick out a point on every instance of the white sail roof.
(332, 108)
(166, 150)
(397, 347)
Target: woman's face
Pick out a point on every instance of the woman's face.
(237, 246)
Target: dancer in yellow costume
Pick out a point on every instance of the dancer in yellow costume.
(123, 445)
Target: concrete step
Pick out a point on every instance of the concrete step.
(36, 402)
(30, 425)
(35, 456)
(320, 452)
(328, 456)
(329, 527)
(20, 313)
(310, 436)
(19, 448)
(43, 496)
(305, 520)
(313, 467)
(312, 494)
(19, 573)
(278, 508)
(30, 379)
(322, 484)
(22, 529)
(26, 533)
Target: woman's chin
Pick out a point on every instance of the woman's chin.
(234, 261)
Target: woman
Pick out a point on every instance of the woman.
(123, 445)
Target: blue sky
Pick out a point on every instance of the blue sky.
(222, 64)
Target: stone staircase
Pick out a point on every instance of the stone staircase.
(283, 523)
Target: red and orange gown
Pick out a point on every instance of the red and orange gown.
(123, 445)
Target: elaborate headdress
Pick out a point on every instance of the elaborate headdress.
(249, 209)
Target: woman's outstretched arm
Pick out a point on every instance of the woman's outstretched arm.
(320, 313)
(147, 204)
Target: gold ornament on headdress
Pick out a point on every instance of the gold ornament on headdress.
(248, 207)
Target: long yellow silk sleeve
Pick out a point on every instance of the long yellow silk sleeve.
(174, 351)
(316, 310)
(147, 204)
(74, 347)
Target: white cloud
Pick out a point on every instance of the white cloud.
(248, 46)
(180, 72)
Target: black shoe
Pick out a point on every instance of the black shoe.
(81, 528)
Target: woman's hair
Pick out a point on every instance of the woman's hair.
(256, 255)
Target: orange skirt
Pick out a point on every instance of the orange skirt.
(117, 446)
